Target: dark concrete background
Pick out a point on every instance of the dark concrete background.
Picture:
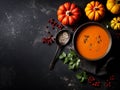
(24, 60)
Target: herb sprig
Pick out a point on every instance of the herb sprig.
(81, 76)
(73, 62)
(71, 59)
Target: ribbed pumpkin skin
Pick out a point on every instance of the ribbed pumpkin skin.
(113, 6)
(68, 13)
(94, 10)
(115, 23)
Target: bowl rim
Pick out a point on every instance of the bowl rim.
(80, 28)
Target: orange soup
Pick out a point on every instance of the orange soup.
(93, 42)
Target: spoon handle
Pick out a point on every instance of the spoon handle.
(53, 62)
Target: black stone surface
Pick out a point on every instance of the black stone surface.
(24, 60)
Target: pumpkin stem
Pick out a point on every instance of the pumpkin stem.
(95, 8)
(68, 13)
(118, 1)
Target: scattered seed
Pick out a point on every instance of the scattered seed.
(99, 40)
(86, 38)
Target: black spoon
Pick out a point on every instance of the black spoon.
(62, 39)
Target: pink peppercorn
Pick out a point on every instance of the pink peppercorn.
(107, 84)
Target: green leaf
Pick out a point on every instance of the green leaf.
(62, 56)
(82, 76)
(78, 75)
(72, 52)
(71, 66)
(70, 59)
(66, 60)
(82, 79)
(78, 62)
(85, 75)
(70, 63)
(70, 55)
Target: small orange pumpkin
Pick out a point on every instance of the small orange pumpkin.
(68, 13)
(94, 10)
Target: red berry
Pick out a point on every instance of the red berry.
(108, 84)
(112, 77)
(54, 24)
(91, 79)
(97, 83)
(43, 40)
(49, 21)
(57, 25)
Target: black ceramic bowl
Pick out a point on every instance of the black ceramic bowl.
(78, 32)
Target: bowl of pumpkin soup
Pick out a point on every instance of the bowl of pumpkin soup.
(92, 41)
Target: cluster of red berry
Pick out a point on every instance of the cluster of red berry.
(108, 83)
(54, 24)
(92, 81)
(50, 38)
